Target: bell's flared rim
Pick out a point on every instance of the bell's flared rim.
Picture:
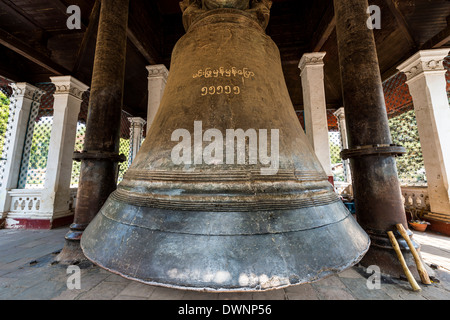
(271, 260)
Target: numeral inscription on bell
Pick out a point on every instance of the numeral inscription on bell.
(218, 90)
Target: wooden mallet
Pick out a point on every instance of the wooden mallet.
(420, 268)
(408, 273)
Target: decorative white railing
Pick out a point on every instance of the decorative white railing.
(343, 188)
(25, 201)
(416, 198)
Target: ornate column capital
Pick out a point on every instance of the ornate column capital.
(137, 121)
(340, 114)
(26, 90)
(311, 59)
(158, 71)
(69, 85)
(424, 62)
(136, 136)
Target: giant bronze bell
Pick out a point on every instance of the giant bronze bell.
(206, 206)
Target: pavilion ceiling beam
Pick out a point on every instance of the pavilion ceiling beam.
(88, 35)
(143, 48)
(12, 8)
(324, 31)
(438, 41)
(403, 25)
(61, 6)
(20, 47)
(144, 21)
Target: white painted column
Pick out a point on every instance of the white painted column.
(23, 98)
(56, 194)
(340, 115)
(316, 121)
(157, 79)
(137, 134)
(425, 73)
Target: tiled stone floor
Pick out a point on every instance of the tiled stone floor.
(27, 273)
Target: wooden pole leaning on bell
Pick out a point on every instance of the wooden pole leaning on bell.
(420, 268)
(408, 273)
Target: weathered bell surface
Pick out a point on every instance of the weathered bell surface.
(203, 207)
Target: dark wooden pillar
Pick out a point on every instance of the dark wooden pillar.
(377, 192)
(100, 157)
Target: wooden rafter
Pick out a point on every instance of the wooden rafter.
(13, 8)
(20, 47)
(139, 29)
(403, 25)
(61, 6)
(141, 47)
(89, 33)
(439, 40)
(324, 31)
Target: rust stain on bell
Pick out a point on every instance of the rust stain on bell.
(208, 221)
